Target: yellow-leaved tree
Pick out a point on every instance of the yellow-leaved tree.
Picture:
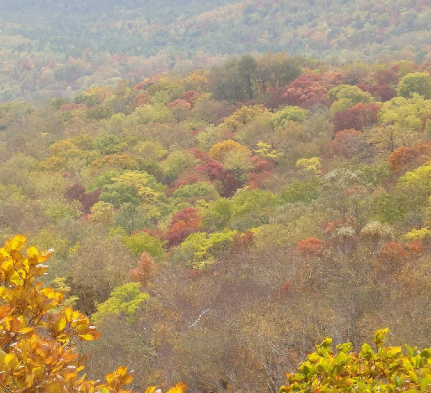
(38, 334)
(386, 369)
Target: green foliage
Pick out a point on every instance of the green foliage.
(386, 369)
(416, 186)
(243, 116)
(347, 96)
(110, 144)
(200, 249)
(194, 192)
(415, 82)
(152, 113)
(216, 214)
(176, 163)
(388, 207)
(132, 218)
(119, 194)
(130, 187)
(406, 113)
(288, 113)
(352, 93)
(304, 192)
(143, 242)
(58, 210)
(125, 300)
(251, 208)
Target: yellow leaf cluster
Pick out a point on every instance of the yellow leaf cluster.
(37, 341)
(220, 150)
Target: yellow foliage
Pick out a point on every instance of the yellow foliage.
(265, 150)
(417, 234)
(312, 164)
(53, 164)
(62, 148)
(38, 343)
(243, 116)
(221, 150)
(122, 161)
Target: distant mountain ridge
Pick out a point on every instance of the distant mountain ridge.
(54, 47)
(144, 27)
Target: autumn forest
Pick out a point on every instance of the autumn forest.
(218, 196)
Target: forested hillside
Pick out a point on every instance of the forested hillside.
(189, 211)
(55, 47)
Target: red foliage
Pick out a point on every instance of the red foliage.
(286, 288)
(358, 117)
(416, 248)
(230, 185)
(190, 96)
(261, 164)
(147, 83)
(387, 77)
(405, 158)
(157, 233)
(144, 270)
(256, 180)
(330, 226)
(189, 179)
(309, 246)
(262, 169)
(276, 99)
(200, 155)
(381, 92)
(189, 214)
(89, 200)
(77, 193)
(140, 99)
(346, 143)
(242, 240)
(180, 105)
(213, 169)
(306, 90)
(182, 224)
(391, 252)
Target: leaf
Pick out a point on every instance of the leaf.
(424, 383)
(61, 324)
(17, 243)
(380, 336)
(178, 388)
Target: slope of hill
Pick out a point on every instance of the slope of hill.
(188, 212)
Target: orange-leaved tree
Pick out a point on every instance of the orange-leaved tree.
(38, 334)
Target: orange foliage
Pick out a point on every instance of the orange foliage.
(346, 143)
(183, 223)
(38, 343)
(144, 270)
(392, 252)
(406, 158)
(310, 246)
(242, 240)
